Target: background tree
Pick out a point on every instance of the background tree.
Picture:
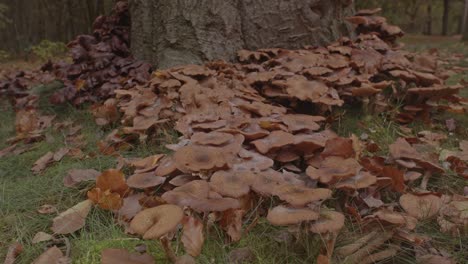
(178, 32)
(465, 22)
(445, 17)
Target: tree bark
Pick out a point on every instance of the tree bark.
(174, 32)
(445, 17)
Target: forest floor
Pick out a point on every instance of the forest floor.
(22, 192)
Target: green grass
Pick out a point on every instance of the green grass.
(21, 192)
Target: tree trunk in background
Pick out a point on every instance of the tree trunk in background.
(445, 17)
(174, 32)
(465, 22)
(429, 19)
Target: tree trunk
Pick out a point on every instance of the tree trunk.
(429, 19)
(445, 17)
(174, 32)
(465, 22)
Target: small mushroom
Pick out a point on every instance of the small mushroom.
(421, 206)
(212, 138)
(276, 139)
(199, 158)
(302, 122)
(155, 223)
(282, 215)
(329, 221)
(334, 169)
(231, 183)
(196, 195)
(362, 180)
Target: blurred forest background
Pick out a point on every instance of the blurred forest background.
(40, 28)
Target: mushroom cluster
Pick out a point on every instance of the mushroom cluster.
(102, 62)
(257, 129)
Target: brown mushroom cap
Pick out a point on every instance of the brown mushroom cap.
(196, 195)
(362, 180)
(212, 138)
(334, 169)
(302, 122)
(298, 196)
(199, 158)
(329, 221)
(144, 180)
(282, 215)
(183, 179)
(340, 147)
(252, 161)
(276, 139)
(166, 167)
(395, 218)
(231, 183)
(421, 206)
(155, 222)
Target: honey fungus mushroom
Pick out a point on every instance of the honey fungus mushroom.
(282, 215)
(197, 195)
(199, 158)
(155, 223)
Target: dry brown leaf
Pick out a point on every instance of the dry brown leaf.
(41, 237)
(59, 154)
(72, 219)
(192, 236)
(42, 162)
(51, 255)
(112, 180)
(131, 206)
(13, 251)
(122, 256)
(47, 209)
(231, 222)
(75, 176)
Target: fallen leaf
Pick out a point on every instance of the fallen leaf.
(42, 162)
(13, 251)
(192, 236)
(59, 154)
(122, 256)
(51, 255)
(75, 176)
(112, 180)
(41, 237)
(47, 209)
(397, 176)
(8, 150)
(72, 219)
(106, 200)
(231, 222)
(131, 206)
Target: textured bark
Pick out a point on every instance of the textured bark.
(174, 32)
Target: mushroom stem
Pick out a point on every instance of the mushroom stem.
(168, 249)
(425, 180)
